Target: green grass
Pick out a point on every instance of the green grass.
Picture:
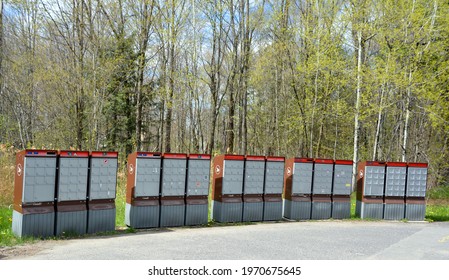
(438, 204)
(7, 237)
(437, 213)
(353, 199)
(120, 202)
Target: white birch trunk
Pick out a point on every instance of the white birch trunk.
(357, 110)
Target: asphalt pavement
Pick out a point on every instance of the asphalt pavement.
(311, 240)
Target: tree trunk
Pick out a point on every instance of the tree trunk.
(143, 44)
(230, 133)
(407, 118)
(79, 66)
(214, 76)
(171, 89)
(379, 123)
(357, 109)
(1, 48)
(246, 55)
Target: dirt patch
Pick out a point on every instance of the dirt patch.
(442, 201)
(30, 249)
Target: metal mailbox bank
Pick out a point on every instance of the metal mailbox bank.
(227, 188)
(102, 191)
(322, 189)
(253, 188)
(143, 190)
(298, 188)
(394, 199)
(34, 193)
(415, 194)
(71, 193)
(341, 189)
(174, 168)
(370, 189)
(273, 186)
(198, 179)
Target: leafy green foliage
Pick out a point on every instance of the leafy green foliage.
(441, 192)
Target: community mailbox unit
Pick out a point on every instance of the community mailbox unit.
(71, 193)
(173, 189)
(370, 189)
(253, 188)
(34, 193)
(273, 186)
(394, 199)
(415, 201)
(227, 188)
(298, 188)
(341, 189)
(102, 191)
(322, 189)
(143, 190)
(198, 179)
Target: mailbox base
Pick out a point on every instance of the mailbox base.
(297, 210)
(196, 214)
(71, 222)
(415, 212)
(272, 211)
(172, 215)
(37, 225)
(100, 220)
(227, 212)
(394, 211)
(341, 210)
(142, 216)
(370, 210)
(252, 211)
(321, 210)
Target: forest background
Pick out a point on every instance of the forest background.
(358, 79)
